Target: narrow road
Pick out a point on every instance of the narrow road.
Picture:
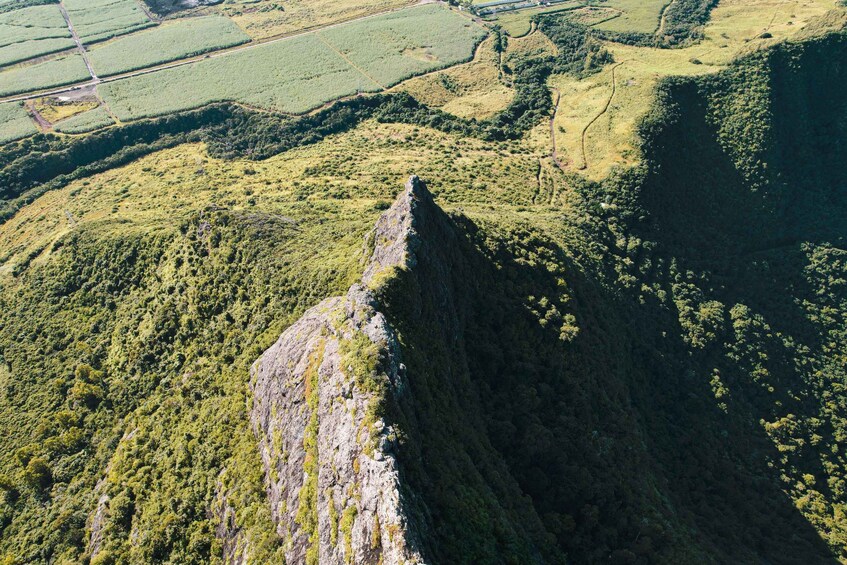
(42, 123)
(153, 17)
(95, 80)
(79, 44)
(598, 116)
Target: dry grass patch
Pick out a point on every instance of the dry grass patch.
(736, 28)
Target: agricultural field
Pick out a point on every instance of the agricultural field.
(167, 42)
(735, 28)
(269, 18)
(637, 16)
(98, 20)
(56, 72)
(32, 32)
(15, 123)
(85, 122)
(406, 43)
(278, 76)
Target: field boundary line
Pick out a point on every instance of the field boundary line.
(349, 61)
(190, 60)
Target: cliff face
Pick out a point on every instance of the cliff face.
(334, 483)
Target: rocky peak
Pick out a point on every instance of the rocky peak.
(332, 478)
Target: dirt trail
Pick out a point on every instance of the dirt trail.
(554, 153)
(146, 9)
(43, 124)
(78, 42)
(598, 116)
(664, 18)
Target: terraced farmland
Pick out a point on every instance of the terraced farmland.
(301, 73)
(15, 123)
(32, 32)
(98, 20)
(169, 42)
(53, 73)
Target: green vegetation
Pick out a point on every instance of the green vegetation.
(597, 371)
(16, 122)
(169, 42)
(86, 121)
(12, 5)
(50, 74)
(399, 45)
(98, 20)
(298, 74)
(32, 32)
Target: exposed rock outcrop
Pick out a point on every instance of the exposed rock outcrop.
(318, 392)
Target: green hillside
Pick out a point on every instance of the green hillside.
(648, 368)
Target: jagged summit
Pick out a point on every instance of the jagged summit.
(333, 481)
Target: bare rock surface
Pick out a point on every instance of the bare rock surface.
(332, 478)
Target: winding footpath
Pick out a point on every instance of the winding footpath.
(598, 116)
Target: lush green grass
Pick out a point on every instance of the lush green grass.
(15, 123)
(85, 122)
(97, 20)
(301, 73)
(32, 32)
(168, 42)
(53, 73)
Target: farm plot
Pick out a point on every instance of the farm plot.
(298, 74)
(85, 122)
(400, 45)
(98, 20)
(50, 74)
(638, 16)
(168, 42)
(15, 123)
(32, 32)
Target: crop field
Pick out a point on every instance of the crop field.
(298, 74)
(98, 20)
(32, 32)
(53, 73)
(85, 122)
(165, 43)
(15, 123)
(389, 48)
(266, 18)
(639, 16)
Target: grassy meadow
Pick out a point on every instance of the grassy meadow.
(735, 28)
(165, 43)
